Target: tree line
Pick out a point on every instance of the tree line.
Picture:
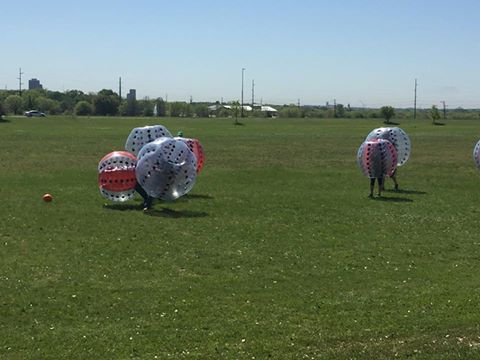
(108, 103)
(104, 103)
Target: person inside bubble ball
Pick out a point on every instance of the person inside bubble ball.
(394, 179)
(381, 185)
(147, 199)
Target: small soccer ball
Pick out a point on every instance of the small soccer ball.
(47, 197)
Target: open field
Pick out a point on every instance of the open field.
(276, 253)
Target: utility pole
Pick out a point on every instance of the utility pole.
(415, 102)
(298, 103)
(253, 93)
(334, 107)
(444, 111)
(191, 99)
(20, 81)
(241, 109)
(120, 88)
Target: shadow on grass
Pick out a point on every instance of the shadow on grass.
(169, 213)
(196, 196)
(392, 199)
(405, 191)
(123, 207)
(438, 124)
(3, 120)
(391, 123)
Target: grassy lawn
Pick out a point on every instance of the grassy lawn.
(276, 253)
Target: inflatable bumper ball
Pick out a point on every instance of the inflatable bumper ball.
(377, 158)
(143, 135)
(398, 138)
(166, 169)
(197, 150)
(116, 176)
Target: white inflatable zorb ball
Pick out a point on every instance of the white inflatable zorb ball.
(398, 138)
(143, 135)
(476, 154)
(166, 168)
(377, 158)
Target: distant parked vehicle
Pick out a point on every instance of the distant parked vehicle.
(34, 113)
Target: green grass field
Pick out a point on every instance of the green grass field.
(276, 253)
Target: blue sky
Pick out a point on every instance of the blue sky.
(361, 52)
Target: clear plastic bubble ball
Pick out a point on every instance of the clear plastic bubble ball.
(166, 168)
(143, 135)
(197, 149)
(377, 158)
(116, 176)
(476, 154)
(398, 138)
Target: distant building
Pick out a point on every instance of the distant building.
(34, 84)
(132, 94)
(269, 111)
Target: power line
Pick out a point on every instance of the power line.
(253, 93)
(20, 81)
(415, 102)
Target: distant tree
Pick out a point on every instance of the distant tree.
(146, 108)
(201, 110)
(291, 111)
(130, 108)
(13, 104)
(72, 97)
(83, 108)
(48, 105)
(161, 107)
(2, 110)
(187, 110)
(236, 109)
(387, 112)
(434, 114)
(107, 92)
(105, 104)
(29, 100)
(176, 109)
(339, 111)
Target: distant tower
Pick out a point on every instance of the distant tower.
(20, 81)
(120, 88)
(132, 94)
(34, 84)
(253, 93)
(415, 102)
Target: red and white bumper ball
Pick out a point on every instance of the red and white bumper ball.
(166, 168)
(197, 150)
(377, 158)
(398, 138)
(116, 176)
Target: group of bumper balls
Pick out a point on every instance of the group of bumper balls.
(153, 162)
(382, 152)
